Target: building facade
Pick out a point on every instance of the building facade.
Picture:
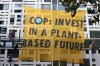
(12, 20)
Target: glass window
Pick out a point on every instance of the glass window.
(1, 22)
(86, 62)
(0, 29)
(85, 29)
(49, 65)
(87, 51)
(10, 51)
(54, 1)
(16, 0)
(60, 0)
(8, 44)
(99, 51)
(15, 64)
(56, 63)
(3, 36)
(85, 18)
(94, 34)
(1, 6)
(5, 7)
(16, 34)
(47, 0)
(54, 6)
(63, 63)
(81, 6)
(2, 51)
(12, 16)
(93, 64)
(61, 7)
(46, 6)
(93, 59)
(50, 1)
(39, 1)
(18, 17)
(1, 44)
(17, 11)
(18, 5)
(3, 30)
(11, 20)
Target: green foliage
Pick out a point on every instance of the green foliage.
(73, 5)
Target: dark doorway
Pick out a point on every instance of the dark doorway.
(1, 6)
(86, 63)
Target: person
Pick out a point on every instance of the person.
(15, 47)
(9, 58)
(11, 35)
(92, 46)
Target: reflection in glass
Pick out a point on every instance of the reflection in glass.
(46, 6)
(5, 7)
(61, 7)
